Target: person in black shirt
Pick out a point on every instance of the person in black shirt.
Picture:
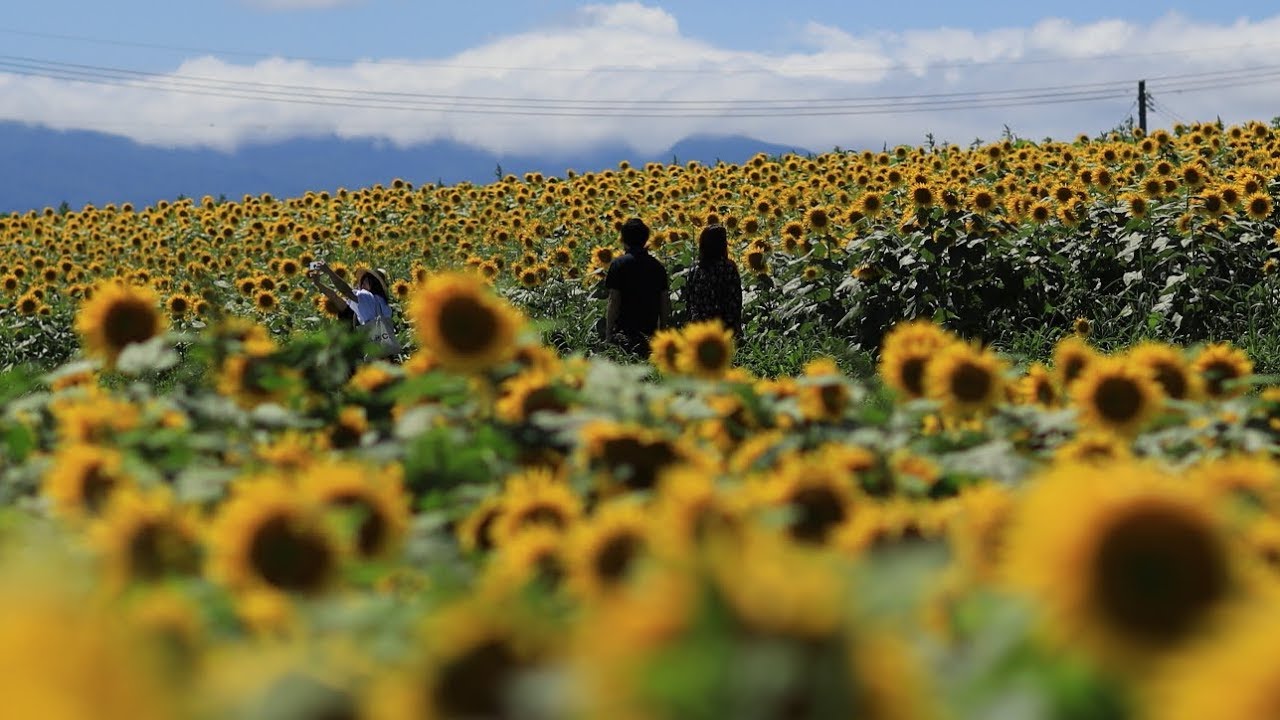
(713, 288)
(639, 302)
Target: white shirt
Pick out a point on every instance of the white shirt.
(368, 306)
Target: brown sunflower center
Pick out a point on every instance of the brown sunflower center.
(548, 569)
(127, 322)
(542, 514)
(1045, 394)
(543, 399)
(1072, 367)
(475, 684)
(1172, 380)
(970, 383)
(833, 397)
(371, 534)
(711, 354)
(289, 556)
(468, 326)
(484, 530)
(1156, 573)
(817, 510)
(1118, 400)
(1217, 374)
(157, 549)
(96, 488)
(637, 463)
(913, 375)
(616, 556)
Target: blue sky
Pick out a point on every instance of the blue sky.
(664, 53)
(420, 28)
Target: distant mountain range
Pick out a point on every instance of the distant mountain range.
(40, 167)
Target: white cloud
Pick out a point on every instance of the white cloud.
(635, 58)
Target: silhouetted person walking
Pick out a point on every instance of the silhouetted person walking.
(639, 302)
(713, 288)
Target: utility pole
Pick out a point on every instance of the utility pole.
(1142, 106)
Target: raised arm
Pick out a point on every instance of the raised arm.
(314, 276)
(338, 283)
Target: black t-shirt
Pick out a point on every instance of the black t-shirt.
(642, 281)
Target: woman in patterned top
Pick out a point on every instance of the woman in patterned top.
(713, 288)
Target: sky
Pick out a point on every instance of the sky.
(530, 75)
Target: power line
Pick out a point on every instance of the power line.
(83, 72)
(71, 69)
(636, 108)
(633, 68)
(570, 108)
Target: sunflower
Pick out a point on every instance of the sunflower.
(1244, 654)
(290, 451)
(665, 350)
(630, 457)
(776, 588)
(1258, 206)
(180, 305)
(603, 553)
(534, 556)
(252, 378)
(756, 259)
(982, 201)
(965, 379)
(268, 536)
(692, 511)
(475, 531)
(817, 498)
(706, 349)
(533, 356)
(1037, 387)
(528, 393)
(371, 379)
(82, 479)
(91, 416)
(1093, 447)
(265, 300)
(977, 533)
(147, 537)
(1251, 481)
(1125, 562)
(1071, 355)
(870, 204)
(536, 498)
(376, 499)
(63, 656)
(905, 355)
(348, 429)
(117, 316)
(825, 395)
(1117, 395)
(1040, 212)
(463, 324)
(1169, 368)
(1219, 364)
(478, 655)
(602, 256)
(922, 196)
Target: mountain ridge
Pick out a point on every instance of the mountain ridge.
(44, 167)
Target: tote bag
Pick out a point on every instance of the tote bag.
(383, 333)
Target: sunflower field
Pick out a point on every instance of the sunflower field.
(998, 441)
